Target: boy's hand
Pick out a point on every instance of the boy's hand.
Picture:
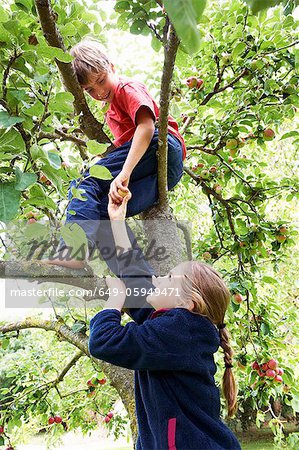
(118, 211)
(121, 182)
(117, 295)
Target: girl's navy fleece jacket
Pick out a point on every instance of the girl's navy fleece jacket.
(171, 351)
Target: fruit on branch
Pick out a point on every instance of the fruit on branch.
(217, 188)
(238, 298)
(231, 143)
(283, 229)
(57, 419)
(102, 381)
(255, 365)
(194, 82)
(226, 58)
(281, 238)
(206, 256)
(213, 169)
(31, 220)
(268, 134)
(204, 174)
(273, 364)
(1, 429)
(110, 414)
(51, 420)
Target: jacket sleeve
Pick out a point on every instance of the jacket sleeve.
(136, 273)
(159, 344)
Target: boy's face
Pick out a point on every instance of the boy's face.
(102, 85)
(168, 290)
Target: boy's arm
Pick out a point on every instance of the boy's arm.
(141, 139)
(140, 143)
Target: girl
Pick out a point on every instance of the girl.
(178, 326)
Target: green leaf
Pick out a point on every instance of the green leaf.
(4, 16)
(100, 172)
(79, 327)
(185, 14)
(289, 134)
(23, 180)
(259, 5)
(11, 141)
(95, 148)
(269, 280)
(75, 238)
(53, 52)
(295, 403)
(1, 440)
(62, 102)
(7, 121)
(9, 201)
(54, 159)
(238, 49)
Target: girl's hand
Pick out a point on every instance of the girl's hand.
(118, 211)
(117, 295)
(121, 182)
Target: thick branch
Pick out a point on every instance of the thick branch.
(90, 126)
(169, 61)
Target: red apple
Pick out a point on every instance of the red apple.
(230, 159)
(268, 134)
(271, 373)
(102, 381)
(110, 414)
(218, 188)
(280, 371)
(107, 419)
(278, 379)
(255, 365)
(1, 429)
(272, 364)
(199, 83)
(283, 229)
(265, 367)
(31, 220)
(281, 238)
(51, 420)
(261, 373)
(238, 298)
(213, 169)
(57, 419)
(191, 82)
(200, 165)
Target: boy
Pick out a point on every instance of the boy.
(131, 117)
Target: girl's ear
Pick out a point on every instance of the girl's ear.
(112, 66)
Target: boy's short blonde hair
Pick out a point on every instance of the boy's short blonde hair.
(88, 58)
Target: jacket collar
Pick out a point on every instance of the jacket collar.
(158, 312)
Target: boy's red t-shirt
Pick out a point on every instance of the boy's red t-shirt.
(129, 96)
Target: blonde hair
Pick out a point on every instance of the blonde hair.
(88, 58)
(203, 286)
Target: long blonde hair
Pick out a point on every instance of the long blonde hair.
(203, 286)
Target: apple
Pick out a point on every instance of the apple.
(255, 365)
(199, 83)
(218, 188)
(265, 367)
(271, 373)
(272, 364)
(231, 144)
(280, 371)
(102, 381)
(193, 82)
(268, 134)
(51, 420)
(281, 238)
(1, 429)
(206, 256)
(283, 229)
(31, 215)
(213, 169)
(204, 174)
(31, 220)
(122, 193)
(238, 298)
(110, 414)
(57, 419)
(230, 159)
(107, 419)
(278, 379)
(226, 58)
(200, 165)
(261, 373)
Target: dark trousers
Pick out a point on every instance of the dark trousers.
(92, 214)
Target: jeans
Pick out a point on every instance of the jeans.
(143, 186)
